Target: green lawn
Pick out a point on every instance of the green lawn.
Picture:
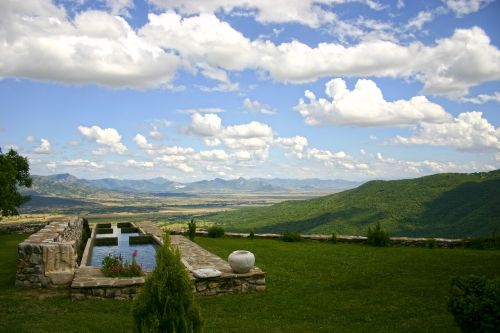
(312, 287)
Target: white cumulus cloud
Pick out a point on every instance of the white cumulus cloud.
(464, 7)
(258, 107)
(108, 137)
(93, 47)
(97, 47)
(482, 98)
(468, 132)
(312, 13)
(139, 164)
(81, 163)
(206, 125)
(141, 141)
(43, 148)
(365, 106)
(293, 146)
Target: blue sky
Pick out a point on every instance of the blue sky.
(189, 90)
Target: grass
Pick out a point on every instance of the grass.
(322, 287)
(312, 287)
(49, 311)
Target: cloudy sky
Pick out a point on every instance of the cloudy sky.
(189, 90)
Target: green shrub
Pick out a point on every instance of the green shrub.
(166, 302)
(475, 303)
(114, 266)
(485, 243)
(215, 231)
(291, 236)
(377, 237)
(191, 229)
(252, 234)
(430, 243)
(334, 238)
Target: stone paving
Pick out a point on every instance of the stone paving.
(195, 257)
(89, 276)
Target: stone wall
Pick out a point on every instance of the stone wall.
(89, 283)
(396, 241)
(21, 228)
(119, 293)
(48, 258)
(230, 284)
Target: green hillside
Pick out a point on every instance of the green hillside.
(442, 205)
(64, 186)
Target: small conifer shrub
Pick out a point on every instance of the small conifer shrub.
(377, 237)
(334, 238)
(191, 229)
(252, 234)
(166, 302)
(215, 231)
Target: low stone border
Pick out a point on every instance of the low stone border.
(90, 283)
(396, 241)
(227, 283)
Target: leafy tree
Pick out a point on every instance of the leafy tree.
(14, 172)
(166, 302)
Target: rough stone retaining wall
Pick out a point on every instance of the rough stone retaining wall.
(90, 283)
(230, 284)
(48, 258)
(397, 241)
(21, 228)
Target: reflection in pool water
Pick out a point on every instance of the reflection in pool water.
(146, 253)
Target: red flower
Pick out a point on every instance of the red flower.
(134, 254)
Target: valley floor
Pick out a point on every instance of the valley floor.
(311, 287)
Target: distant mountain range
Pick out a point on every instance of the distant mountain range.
(442, 205)
(69, 186)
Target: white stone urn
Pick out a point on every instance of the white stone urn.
(241, 261)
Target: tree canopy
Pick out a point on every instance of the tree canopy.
(14, 172)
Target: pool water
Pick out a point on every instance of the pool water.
(146, 253)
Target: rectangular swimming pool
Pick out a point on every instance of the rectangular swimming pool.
(146, 253)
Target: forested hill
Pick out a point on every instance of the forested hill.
(442, 205)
